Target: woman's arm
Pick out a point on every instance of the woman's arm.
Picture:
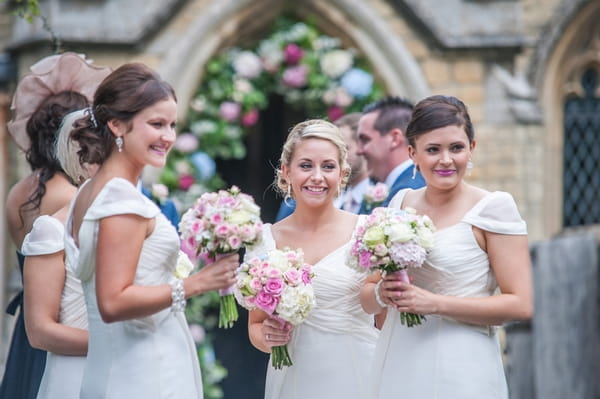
(120, 241)
(265, 332)
(367, 294)
(511, 264)
(44, 280)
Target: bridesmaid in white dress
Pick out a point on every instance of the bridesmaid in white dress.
(332, 350)
(480, 245)
(126, 250)
(55, 317)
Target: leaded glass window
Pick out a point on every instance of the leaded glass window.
(582, 154)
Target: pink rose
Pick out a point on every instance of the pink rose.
(230, 111)
(306, 278)
(216, 218)
(293, 54)
(250, 118)
(234, 242)
(272, 272)
(364, 259)
(255, 284)
(274, 286)
(189, 247)
(293, 276)
(266, 302)
(222, 230)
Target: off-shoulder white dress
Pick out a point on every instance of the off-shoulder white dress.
(62, 374)
(152, 357)
(333, 349)
(444, 358)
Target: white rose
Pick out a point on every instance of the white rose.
(399, 233)
(279, 260)
(184, 266)
(425, 238)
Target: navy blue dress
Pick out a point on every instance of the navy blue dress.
(24, 365)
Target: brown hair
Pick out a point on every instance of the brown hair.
(393, 113)
(42, 128)
(125, 92)
(439, 111)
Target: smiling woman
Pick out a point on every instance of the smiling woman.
(476, 276)
(128, 250)
(338, 337)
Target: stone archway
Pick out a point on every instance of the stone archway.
(216, 26)
(576, 47)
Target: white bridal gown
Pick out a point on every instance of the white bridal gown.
(62, 374)
(443, 358)
(153, 357)
(332, 350)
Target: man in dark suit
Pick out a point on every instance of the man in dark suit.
(383, 144)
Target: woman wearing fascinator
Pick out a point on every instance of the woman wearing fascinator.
(55, 86)
(55, 315)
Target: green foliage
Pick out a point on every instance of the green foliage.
(27, 9)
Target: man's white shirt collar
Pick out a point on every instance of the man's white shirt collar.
(397, 171)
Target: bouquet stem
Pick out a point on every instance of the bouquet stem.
(408, 319)
(280, 357)
(228, 313)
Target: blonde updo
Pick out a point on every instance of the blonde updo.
(311, 129)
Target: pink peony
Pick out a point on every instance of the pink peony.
(186, 181)
(186, 143)
(230, 111)
(334, 113)
(293, 54)
(296, 76)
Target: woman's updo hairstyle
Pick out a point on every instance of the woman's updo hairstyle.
(436, 112)
(126, 91)
(311, 129)
(42, 128)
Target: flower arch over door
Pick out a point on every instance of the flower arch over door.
(295, 65)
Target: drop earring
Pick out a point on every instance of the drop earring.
(414, 175)
(469, 167)
(119, 142)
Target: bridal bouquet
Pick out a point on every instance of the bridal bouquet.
(375, 195)
(391, 241)
(221, 223)
(279, 283)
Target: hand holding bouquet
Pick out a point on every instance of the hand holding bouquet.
(279, 283)
(221, 223)
(392, 241)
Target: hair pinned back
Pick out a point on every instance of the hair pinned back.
(312, 129)
(128, 90)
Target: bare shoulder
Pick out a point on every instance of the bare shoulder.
(476, 194)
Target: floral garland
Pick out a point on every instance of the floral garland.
(307, 68)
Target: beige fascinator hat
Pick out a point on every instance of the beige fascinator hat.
(51, 75)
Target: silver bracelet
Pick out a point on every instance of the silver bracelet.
(177, 295)
(377, 297)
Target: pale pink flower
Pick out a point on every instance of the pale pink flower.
(274, 286)
(230, 111)
(293, 276)
(296, 76)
